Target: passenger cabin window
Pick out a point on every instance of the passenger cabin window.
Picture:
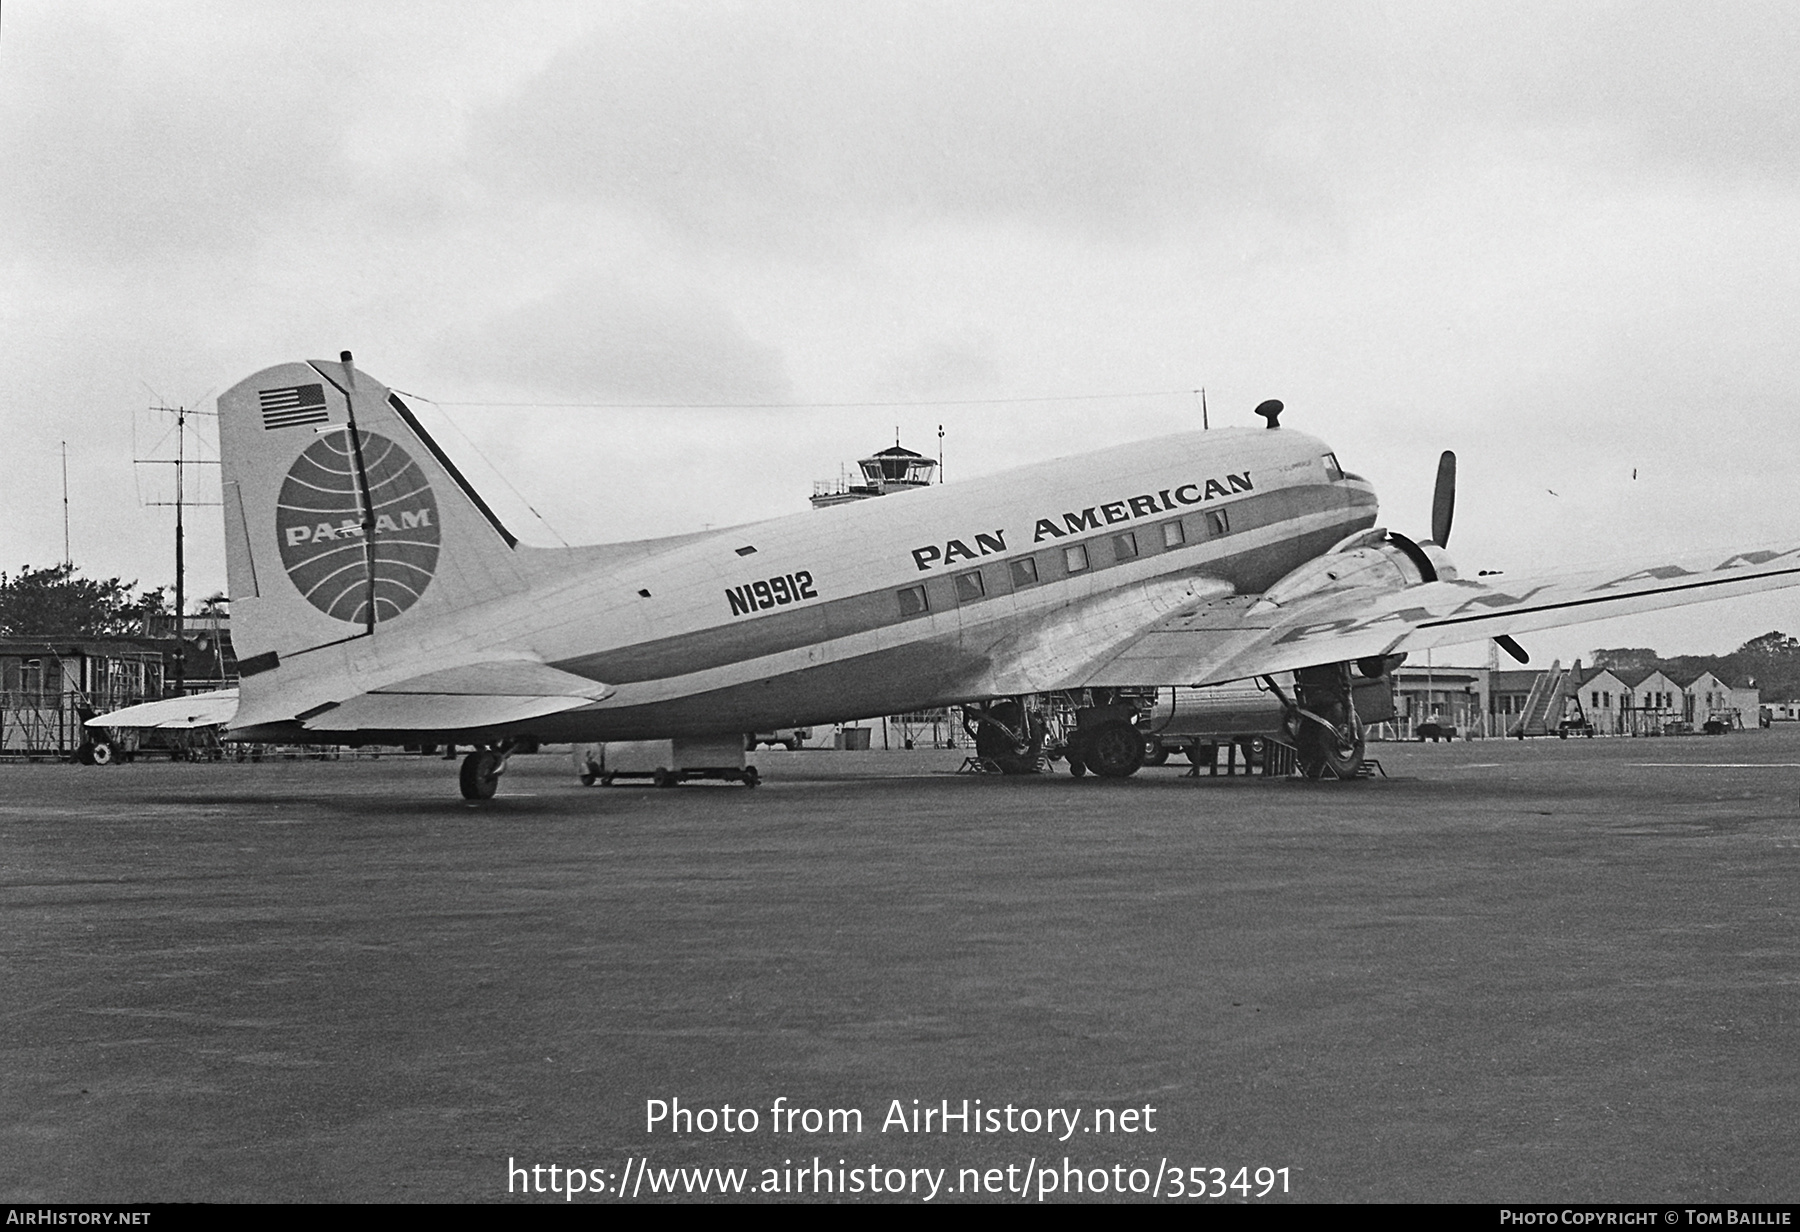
(1218, 522)
(1125, 546)
(1075, 558)
(1173, 537)
(913, 601)
(968, 586)
(1024, 571)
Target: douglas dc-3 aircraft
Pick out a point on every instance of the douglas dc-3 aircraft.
(376, 598)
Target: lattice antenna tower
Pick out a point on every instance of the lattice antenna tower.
(181, 461)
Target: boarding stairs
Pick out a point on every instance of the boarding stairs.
(1544, 705)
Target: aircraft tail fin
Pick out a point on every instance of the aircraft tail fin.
(343, 518)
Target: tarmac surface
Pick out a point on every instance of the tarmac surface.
(1544, 971)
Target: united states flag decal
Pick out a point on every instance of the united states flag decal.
(291, 407)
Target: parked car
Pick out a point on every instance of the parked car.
(1434, 732)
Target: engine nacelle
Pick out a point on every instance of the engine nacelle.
(1440, 560)
(1376, 559)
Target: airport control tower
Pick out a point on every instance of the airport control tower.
(890, 470)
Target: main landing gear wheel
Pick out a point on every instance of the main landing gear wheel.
(998, 746)
(480, 774)
(1337, 749)
(1114, 750)
(102, 754)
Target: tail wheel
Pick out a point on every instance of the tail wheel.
(751, 777)
(663, 778)
(480, 775)
(1115, 750)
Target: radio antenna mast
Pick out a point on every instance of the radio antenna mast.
(180, 462)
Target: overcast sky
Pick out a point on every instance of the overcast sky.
(1562, 240)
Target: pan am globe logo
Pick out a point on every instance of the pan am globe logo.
(318, 518)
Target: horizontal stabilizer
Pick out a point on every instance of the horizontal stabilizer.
(462, 698)
(430, 712)
(198, 710)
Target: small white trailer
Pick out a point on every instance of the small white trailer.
(665, 762)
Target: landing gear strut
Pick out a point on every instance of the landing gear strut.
(1009, 735)
(1328, 735)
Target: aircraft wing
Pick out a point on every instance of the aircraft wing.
(175, 713)
(1233, 638)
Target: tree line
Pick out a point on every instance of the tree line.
(54, 602)
(1770, 661)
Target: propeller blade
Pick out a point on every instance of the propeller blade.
(1443, 500)
(1505, 642)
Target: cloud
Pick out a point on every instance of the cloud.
(752, 124)
(117, 149)
(942, 367)
(600, 338)
(799, 127)
(1667, 86)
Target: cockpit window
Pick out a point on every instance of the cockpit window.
(1332, 469)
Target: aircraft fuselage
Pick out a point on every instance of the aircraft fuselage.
(918, 599)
